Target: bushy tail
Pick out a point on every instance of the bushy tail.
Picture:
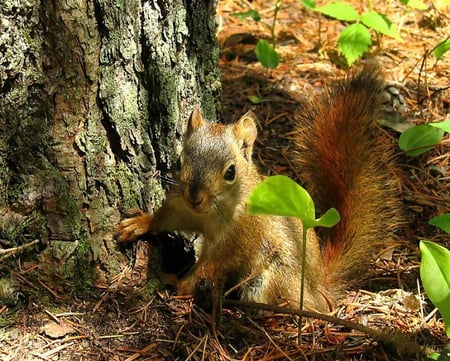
(346, 164)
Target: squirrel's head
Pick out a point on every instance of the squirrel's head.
(215, 162)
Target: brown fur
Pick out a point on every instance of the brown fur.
(344, 166)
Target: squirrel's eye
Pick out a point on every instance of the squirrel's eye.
(230, 173)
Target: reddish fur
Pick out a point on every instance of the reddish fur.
(343, 162)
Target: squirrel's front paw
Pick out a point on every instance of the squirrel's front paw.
(185, 287)
(132, 228)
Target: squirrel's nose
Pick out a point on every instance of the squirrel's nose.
(195, 198)
(196, 202)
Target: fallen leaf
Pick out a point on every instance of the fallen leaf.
(57, 330)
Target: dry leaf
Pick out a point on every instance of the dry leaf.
(57, 330)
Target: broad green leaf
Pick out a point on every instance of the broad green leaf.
(442, 48)
(339, 11)
(248, 14)
(435, 276)
(419, 139)
(266, 54)
(280, 196)
(415, 4)
(380, 24)
(309, 4)
(442, 221)
(442, 125)
(354, 41)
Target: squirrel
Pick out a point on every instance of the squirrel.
(343, 164)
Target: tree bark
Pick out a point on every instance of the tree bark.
(93, 100)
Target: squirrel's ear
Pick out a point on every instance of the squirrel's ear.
(245, 129)
(195, 120)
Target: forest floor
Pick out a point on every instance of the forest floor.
(122, 325)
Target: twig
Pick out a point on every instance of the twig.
(15, 250)
(105, 337)
(51, 352)
(24, 280)
(204, 340)
(53, 293)
(270, 339)
(53, 316)
(402, 343)
(142, 352)
(66, 314)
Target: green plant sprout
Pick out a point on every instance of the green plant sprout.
(435, 276)
(280, 196)
(355, 39)
(420, 138)
(265, 51)
(435, 259)
(442, 48)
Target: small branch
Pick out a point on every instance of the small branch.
(5, 253)
(270, 339)
(403, 344)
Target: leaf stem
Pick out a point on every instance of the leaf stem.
(302, 283)
(276, 8)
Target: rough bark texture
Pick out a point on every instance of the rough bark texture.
(93, 99)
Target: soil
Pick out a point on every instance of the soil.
(41, 322)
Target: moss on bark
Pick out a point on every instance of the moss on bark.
(94, 97)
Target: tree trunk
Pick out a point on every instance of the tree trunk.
(94, 98)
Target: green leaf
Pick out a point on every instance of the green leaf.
(419, 139)
(442, 221)
(354, 41)
(255, 99)
(329, 219)
(281, 196)
(248, 14)
(415, 4)
(442, 48)
(309, 4)
(266, 54)
(339, 11)
(380, 24)
(442, 125)
(435, 275)
(443, 355)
